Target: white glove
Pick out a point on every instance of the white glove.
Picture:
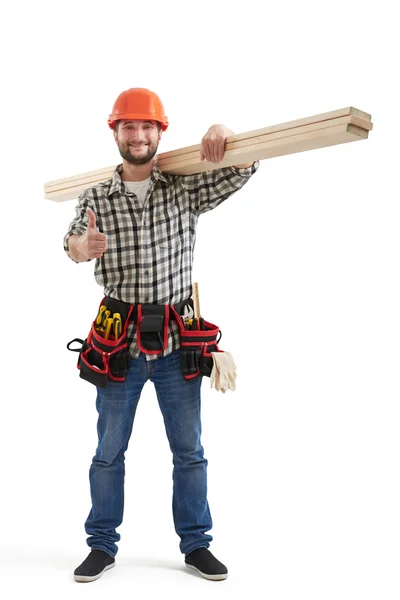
(214, 377)
(223, 375)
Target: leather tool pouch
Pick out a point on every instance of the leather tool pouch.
(101, 360)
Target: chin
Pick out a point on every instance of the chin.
(139, 161)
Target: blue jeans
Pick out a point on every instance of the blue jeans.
(179, 401)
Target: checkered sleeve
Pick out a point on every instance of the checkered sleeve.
(210, 188)
(78, 225)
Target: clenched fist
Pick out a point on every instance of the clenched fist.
(92, 244)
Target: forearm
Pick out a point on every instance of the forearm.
(74, 249)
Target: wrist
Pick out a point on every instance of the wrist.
(76, 248)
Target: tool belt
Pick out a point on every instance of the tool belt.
(104, 355)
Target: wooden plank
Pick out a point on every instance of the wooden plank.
(91, 176)
(325, 129)
(262, 138)
(68, 194)
(350, 111)
(101, 172)
(297, 143)
(321, 138)
(168, 158)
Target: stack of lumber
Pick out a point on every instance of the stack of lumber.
(319, 131)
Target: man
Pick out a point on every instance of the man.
(140, 226)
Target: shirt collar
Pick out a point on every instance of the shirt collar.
(117, 184)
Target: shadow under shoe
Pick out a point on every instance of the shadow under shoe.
(94, 566)
(205, 563)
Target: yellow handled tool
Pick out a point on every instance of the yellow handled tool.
(99, 318)
(108, 325)
(106, 314)
(117, 325)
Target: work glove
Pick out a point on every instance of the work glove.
(214, 377)
(231, 373)
(223, 374)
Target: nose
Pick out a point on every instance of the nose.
(138, 135)
(137, 139)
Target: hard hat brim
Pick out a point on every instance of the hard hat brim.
(144, 117)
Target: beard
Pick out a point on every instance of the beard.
(137, 158)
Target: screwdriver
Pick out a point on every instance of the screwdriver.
(117, 325)
(100, 316)
(108, 325)
(106, 314)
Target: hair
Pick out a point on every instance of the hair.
(116, 125)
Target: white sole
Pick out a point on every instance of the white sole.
(219, 577)
(86, 578)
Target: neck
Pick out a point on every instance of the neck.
(136, 172)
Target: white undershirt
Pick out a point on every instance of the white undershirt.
(139, 188)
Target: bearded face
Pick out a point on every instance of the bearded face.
(137, 140)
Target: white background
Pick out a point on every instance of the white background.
(299, 269)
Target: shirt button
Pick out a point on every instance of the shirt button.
(146, 299)
(146, 272)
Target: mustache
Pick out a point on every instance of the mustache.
(133, 158)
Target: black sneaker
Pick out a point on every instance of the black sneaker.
(94, 566)
(205, 563)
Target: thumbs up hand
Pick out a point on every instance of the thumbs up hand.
(92, 244)
(92, 218)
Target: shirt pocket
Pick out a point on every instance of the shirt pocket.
(121, 227)
(169, 228)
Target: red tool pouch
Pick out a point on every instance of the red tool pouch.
(196, 347)
(102, 360)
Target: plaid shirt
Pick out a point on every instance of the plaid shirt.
(150, 248)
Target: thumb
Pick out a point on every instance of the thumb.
(92, 218)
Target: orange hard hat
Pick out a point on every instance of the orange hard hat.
(138, 103)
